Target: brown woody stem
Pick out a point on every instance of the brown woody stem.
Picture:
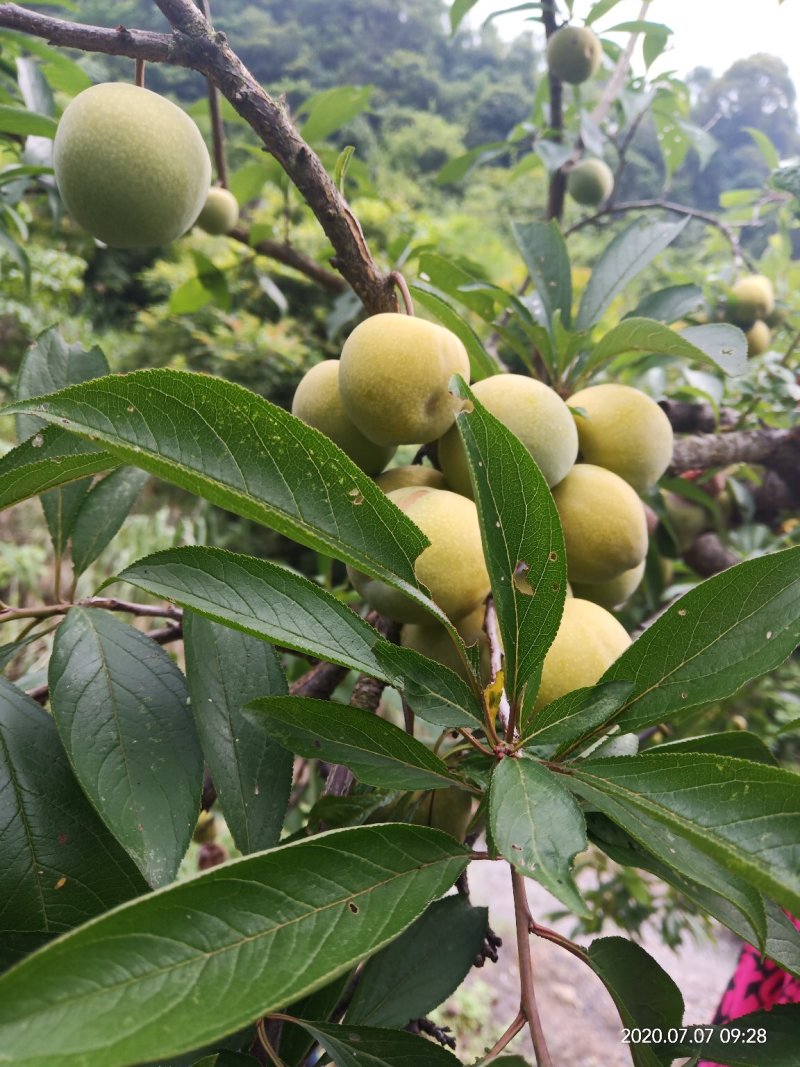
(528, 1006)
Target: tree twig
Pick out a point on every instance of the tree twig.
(558, 180)
(617, 79)
(291, 257)
(505, 1039)
(528, 1006)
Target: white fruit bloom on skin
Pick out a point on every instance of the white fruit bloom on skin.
(131, 167)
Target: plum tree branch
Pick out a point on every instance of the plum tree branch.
(292, 257)
(765, 447)
(195, 45)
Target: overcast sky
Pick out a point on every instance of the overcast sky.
(710, 33)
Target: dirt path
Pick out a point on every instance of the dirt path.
(581, 1025)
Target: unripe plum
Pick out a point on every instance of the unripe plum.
(412, 474)
(448, 809)
(434, 641)
(395, 375)
(574, 54)
(615, 592)
(318, 403)
(590, 182)
(753, 298)
(131, 167)
(625, 431)
(452, 567)
(220, 212)
(533, 412)
(605, 530)
(758, 337)
(588, 641)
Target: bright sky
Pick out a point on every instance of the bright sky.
(709, 33)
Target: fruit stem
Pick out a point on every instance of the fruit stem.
(215, 113)
(396, 278)
(139, 75)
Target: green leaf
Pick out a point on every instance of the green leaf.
(434, 692)
(22, 123)
(59, 866)
(670, 304)
(51, 364)
(571, 717)
(739, 743)
(327, 111)
(537, 826)
(481, 364)
(247, 455)
(367, 1046)
(102, 513)
(61, 72)
(458, 283)
(461, 166)
(744, 816)
(422, 968)
(185, 966)
(544, 251)
(762, 1039)
(119, 703)
(597, 10)
(765, 146)
(296, 1043)
(225, 670)
(645, 995)
(735, 626)
(626, 257)
(458, 10)
(46, 460)
(262, 599)
(377, 752)
(522, 542)
(721, 344)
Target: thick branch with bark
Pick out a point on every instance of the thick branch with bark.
(764, 447)
(194, 44)
(292, 257)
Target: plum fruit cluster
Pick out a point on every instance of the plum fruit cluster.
(751, 305)
(598, 451)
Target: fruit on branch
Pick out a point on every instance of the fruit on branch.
(588, 641)
(625, 431)
(131, 167)
(590, 182)
(574, 54)
(758, 337)
(615, 592)
(411, 474)
(395, 372)
(533, 412)
(318, 403)
(605, 530)
(752, 298)
(452, 567)
(435, 642)
(686, 519)
(206, 828)
(220, 212)
(448, 809)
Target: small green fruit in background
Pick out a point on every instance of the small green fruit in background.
(615, 592)
(131, 167)
(434, 641)
(752, 298)
(448, 809)
(605, 530)
(588, 641)
(625, 431)
(452, 567)
(411, 474)
(395, 373)
(574, 54)
(318, 403)
(687, 519)
(590, 182)
(758, 337)
(533, 412)
(220, 212)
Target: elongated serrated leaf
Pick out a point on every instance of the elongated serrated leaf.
(225, 670)
(544, 251)
(59, 866)
(368, 1046)
(434, 692)
(329, 110)
(422, 968)
(645, 995)
(626, 257)
(241, 452)
(202, 958)
(261, 599)
(47, 460)
(570, 717)
(739, 743)
(537, 826)
(296, 1043)
(761, 1039)
(481, 364)
(377, 752)
(733, 627)
(102, 513)
(119, 703)
(522, 542)
(720, 344)
(743, 815)
(670, 304)
(24, 123)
